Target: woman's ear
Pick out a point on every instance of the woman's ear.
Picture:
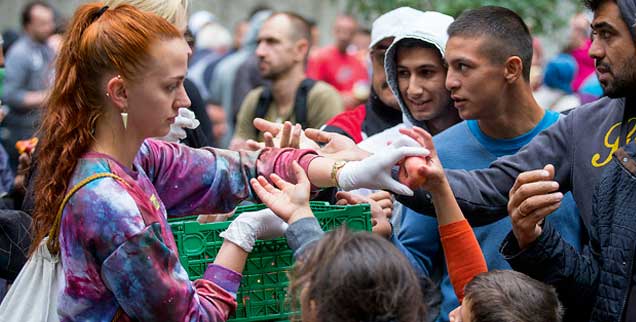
(116, 92)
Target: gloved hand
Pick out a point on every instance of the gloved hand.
(250, 226)
(185, 119)
(374, 172)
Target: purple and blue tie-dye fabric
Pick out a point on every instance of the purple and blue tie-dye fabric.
(116, 246)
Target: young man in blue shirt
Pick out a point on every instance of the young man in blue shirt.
(488, 53)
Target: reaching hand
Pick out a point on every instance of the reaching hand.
(250, 226)
(424, 172)
(533, 197)
(336, 146)
(374, 172)
(289, 201)
(379, 219)
(283, 135)
(185, 119)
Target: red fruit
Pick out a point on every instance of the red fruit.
(411, 172)
(26, 145)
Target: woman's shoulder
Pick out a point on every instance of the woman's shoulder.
(101, 212)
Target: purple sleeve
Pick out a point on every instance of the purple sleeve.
(151, 285)
(207, 180)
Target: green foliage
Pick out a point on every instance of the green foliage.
(541, 15)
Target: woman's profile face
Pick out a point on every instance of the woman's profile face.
(155, 97)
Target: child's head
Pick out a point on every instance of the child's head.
(509, 296)
(356, 276)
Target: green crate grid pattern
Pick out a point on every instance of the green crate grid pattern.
(263, 290)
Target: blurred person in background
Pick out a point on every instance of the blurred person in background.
(283, 45)
(360, 47)
(27, 76)
(381, 111)
(212, 43)
(556, 92)
(336, 66)
(222, 96)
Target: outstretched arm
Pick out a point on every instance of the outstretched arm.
(483, 194)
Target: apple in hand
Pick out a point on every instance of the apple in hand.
(412, 172)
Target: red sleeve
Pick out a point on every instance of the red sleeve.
(350, 122)
(464, 258)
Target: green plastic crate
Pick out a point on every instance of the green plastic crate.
(263, 290)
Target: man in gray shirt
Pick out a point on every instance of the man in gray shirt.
(28, 74)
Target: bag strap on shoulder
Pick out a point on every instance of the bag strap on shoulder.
(53, 242)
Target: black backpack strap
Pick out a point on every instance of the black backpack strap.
(264, 100)
(300, 103)
(302, 98)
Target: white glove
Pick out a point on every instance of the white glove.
(374, 172)
(250, 226)
(185, 119)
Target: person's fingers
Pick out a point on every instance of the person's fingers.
(539, 214)
(385, 203)
(266, 185)
(351, 198)
(379, 195)
(285, 134)
(531, 176)
(534, 203)
(531, 189)
(318, 135)
(404, 152)
(405, 140)
(267, 126)
(279, 182)
(295, 139)
(253, 145)
(342, 202)
(186, 112)
(388, 212)
(299, 172)
(259, 190)
(399, 188)
(269, 140)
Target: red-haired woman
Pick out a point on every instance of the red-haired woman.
(119, 82)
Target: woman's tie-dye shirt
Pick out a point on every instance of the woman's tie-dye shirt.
(116, 246)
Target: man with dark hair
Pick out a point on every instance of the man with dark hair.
(508, 35)
(493, 95)
(508, 296)
(283, 44)
(28, 75)
(597, 285)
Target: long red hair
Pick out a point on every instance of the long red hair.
(97, 43)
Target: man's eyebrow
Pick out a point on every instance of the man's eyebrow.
(602, 24)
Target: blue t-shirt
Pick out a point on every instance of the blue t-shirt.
(465, 146)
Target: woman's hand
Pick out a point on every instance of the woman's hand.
(374, 172)
(289, 201)
(253, 225)
(186, 119)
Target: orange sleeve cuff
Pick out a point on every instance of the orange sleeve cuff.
(464, 258)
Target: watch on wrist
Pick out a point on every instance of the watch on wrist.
(334, 172)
